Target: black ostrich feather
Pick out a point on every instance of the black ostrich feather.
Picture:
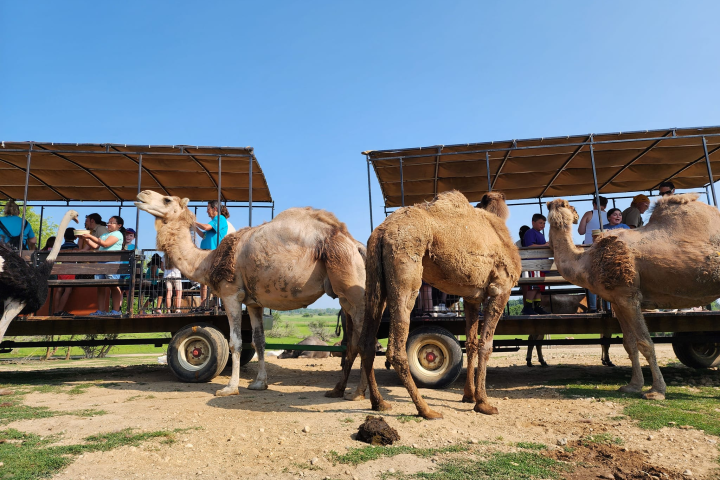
(19, 281)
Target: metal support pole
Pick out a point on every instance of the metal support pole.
(710, 175)
(42, 211)
(250, 193)
(614, 206)
(487, 164)
(273, 210)
(597, 194)
(194, 229)
(367, 157)
(120, 210)
(707, 194)
(137, 210)
(402, 185)
(27, 180)
(219, 204)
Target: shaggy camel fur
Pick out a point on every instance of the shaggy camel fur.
(284, 264)
(458, 249)
(672, 262)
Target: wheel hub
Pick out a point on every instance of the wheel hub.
(197, 352)
(431, 357)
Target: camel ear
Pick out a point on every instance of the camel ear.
(184, 202)
(502, 195)
(550, 205)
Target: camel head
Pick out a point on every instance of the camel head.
(494, 202)
(164, 208)
(561, 214)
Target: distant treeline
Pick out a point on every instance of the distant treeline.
(313, 311)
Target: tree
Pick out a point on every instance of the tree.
(33, 218)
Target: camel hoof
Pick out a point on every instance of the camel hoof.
(653, 395)
(431, 415)
(334, 393)
(227, 391)
(382, 407)
(529, 363)
(354, 396)
(543, 364)
(630, 389)
(485, 409)
(468, 399)
(258, 385)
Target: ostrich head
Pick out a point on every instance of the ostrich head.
(561, 214)
(165, 209)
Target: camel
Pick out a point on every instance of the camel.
(456, 248)
(672, 262)
(284, 264)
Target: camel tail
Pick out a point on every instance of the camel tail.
(375, 290)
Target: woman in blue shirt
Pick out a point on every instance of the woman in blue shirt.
(212, 233)
(12, 222)
(614, 216)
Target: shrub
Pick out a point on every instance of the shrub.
(318, 328)
(281, 329)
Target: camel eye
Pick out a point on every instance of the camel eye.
(166, 200)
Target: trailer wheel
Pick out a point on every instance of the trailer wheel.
(434, 356)
(197, 353)
(246, 356)
(697, 355)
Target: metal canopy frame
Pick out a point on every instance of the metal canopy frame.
(63, 151)
(475, 154)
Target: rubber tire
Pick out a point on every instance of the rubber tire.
(446, 341)
(217, 357)
(246, 356)
(697, 355)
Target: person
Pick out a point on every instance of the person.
(532, 295)
(614, 216)
(10, 225)
(153, 273)
(49, 244)
(523, 229)
(666, 188)
(212, 233)
(632, 216)
(111, 241)
(97, 227)
(590, 220)
(62, 294)
(173, 281)
(129, 239)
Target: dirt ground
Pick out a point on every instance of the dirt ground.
(288, 431)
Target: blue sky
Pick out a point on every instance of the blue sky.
(312, 84)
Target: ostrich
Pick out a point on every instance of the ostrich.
(24, 289)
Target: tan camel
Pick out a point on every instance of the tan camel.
(284, 264)
(672, 262)
(458, 249)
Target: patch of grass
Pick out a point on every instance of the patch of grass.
(531, 445)
(347, 420)
(499, 466)
(28, 456)
(696, 407)
(357, 456)
(13, 410)
(409, 418)
(79, 389)
(602, 439)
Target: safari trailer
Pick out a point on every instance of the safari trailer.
(531, 172)
(110, 176)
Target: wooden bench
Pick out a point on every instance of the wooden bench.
(541, 259)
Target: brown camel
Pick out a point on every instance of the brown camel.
(672, 262)
(458, 249)
(284, 264)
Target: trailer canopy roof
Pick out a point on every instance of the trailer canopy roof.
(109, 172)
(550, 167)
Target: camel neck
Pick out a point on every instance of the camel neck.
(566, 254)
(176, 241)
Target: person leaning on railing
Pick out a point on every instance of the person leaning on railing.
(10, 225)
(212, 233)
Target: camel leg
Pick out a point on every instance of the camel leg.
(624, 314)
(367, 354)
(233, 307)
(258, 340)
(493, 310)
(541, 359)
(400, 304)
(471, 346)
(350, 355)
(605, 353)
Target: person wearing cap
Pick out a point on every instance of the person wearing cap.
(632, 216)
(614, 221)
(129, 239)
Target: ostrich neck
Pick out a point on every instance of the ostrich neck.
(567, 255)
(58, 238)
(177, 243)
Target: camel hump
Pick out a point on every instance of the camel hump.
(304, 214)
(666, 205)
(613, 262)
(450, 202)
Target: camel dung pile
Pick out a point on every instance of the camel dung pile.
(376, 431)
